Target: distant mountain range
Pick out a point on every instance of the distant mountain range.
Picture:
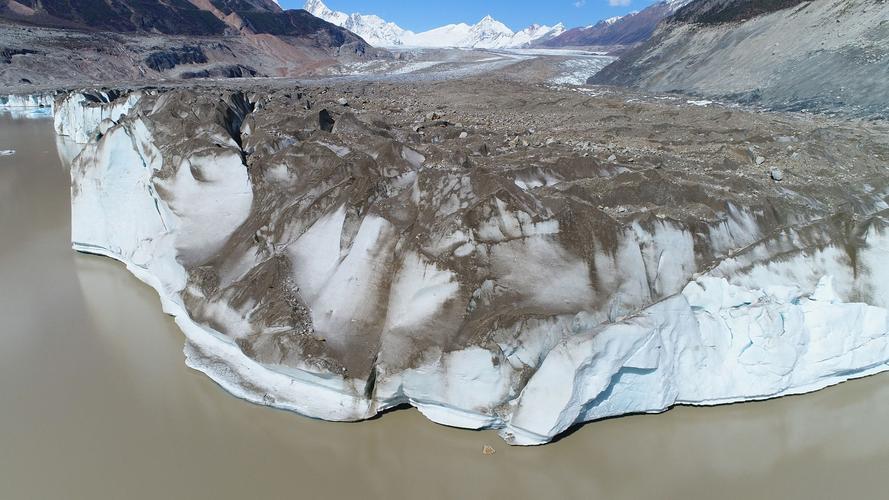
(631, 29)
(486, 34)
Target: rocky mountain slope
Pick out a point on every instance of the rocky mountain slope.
(123, 16)
(340, 250)
(826, 55)
(631, 29)
(66, 41)
(486, 34)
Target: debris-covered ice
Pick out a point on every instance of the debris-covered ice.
(338, 270)
(578, 68)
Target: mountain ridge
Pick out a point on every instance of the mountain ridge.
(633, 28)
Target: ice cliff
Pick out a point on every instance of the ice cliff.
(26, 101)
(33, 105)
(322, 262)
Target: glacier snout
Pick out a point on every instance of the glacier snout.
(341, 270)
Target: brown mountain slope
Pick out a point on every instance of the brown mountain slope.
(631, 29)
(46, 41)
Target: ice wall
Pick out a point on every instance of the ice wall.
(776, 314)
(26, 101)
(79, 115)
(27, 106)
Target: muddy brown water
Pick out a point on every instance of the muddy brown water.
(96, 402)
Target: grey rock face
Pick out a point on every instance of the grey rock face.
(826, 56)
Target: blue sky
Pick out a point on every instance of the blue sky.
(517, 14)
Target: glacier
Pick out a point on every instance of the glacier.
(339, 290)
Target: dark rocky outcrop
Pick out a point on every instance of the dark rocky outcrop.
(727, 11)
(6, 54)
(164, 60)
(230, 71)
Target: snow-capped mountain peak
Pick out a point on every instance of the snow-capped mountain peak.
(536, 33)
(373, 29)
(318, 9)
(489, 24)
(488, 33)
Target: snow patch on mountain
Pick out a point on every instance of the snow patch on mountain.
(677, 4)
(536, 33)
